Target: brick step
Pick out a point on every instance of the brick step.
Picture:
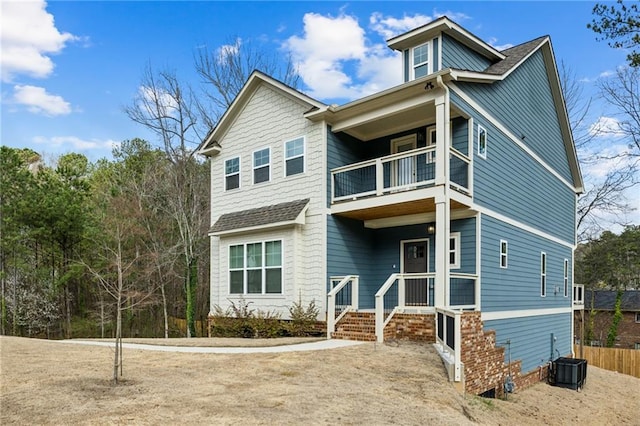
(359, 328)
(362, 337)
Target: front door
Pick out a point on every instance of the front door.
(416, 261)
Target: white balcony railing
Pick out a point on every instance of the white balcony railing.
(397, 172)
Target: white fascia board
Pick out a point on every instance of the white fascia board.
(414, 219)
(524, 313)
(253, 82)
(434, 28)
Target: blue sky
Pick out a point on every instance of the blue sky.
(68, 68)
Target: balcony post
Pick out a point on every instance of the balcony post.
(379, 177)
(443, 213)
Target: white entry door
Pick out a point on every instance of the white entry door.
(403, 169)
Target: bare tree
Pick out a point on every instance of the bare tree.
(623, 94)
(225, 70)
(167, 107)
(116, 264)
(604, 197)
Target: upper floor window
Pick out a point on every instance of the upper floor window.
(294, 151)
(232, 173)
(454, 250)
(262, 165)
(420, 58)
(255, 268)
(504, 247)
(543, 274)
(637, 316)
(482, 142)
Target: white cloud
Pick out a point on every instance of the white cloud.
(389, 26)
(322, 53)
(29, 36)
(606, 126)
(606, 74)
(229, 50)
(151, 99)
(75, 143)
(38, 101)
(493, 42)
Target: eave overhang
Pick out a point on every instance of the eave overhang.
(426, 32)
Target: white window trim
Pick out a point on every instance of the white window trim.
(245, 268)
(543, 274)
(566, 278)
(224, 184)
(303, 155)
(504, 255)
(486, 138)
(253, 164)
(429, 63)
(456, 252)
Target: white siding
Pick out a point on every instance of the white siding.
(270, 118)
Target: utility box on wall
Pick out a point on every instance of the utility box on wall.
(568, 373)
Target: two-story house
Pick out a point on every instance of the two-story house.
(441, 209)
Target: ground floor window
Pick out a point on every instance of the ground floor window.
(255, 268)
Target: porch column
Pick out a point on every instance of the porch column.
(443, 231)
(442, 201)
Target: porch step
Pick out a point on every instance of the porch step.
(356, 326)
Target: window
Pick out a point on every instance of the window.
(454, 250)
(566, 278)
(636, 346)
(421, 60)
(482, 142)
(261, 165)
(294, 157)
(232, 173)
(504, 254)
(637, 316)
(255, 268)
(543, 274)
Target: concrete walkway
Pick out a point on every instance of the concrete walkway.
(301, 347)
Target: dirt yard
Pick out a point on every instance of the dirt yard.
(44, 382)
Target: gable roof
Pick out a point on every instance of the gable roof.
(514, 55)
(443, 24)
(211, 146)
(605, 300)
(283, 214)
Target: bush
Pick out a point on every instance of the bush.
(303, 320)
(239, 320)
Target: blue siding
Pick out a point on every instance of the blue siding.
(375, 254)
(512, 183)
(518, 286)
(531, 340)
(524, 104)
(460, 135)
(457, 55)
(350, 251)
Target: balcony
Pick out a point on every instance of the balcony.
(389, 179)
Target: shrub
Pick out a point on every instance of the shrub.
(303, 320)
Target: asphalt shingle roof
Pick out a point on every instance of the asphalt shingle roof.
(514, 55)
(605, 300)
(283, 212)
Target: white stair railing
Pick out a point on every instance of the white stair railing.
(335, 312)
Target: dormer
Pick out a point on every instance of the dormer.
(442, 44)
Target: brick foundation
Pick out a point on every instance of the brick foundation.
(484, 363)
(416, 327)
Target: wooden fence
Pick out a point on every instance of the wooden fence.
(625, 361)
